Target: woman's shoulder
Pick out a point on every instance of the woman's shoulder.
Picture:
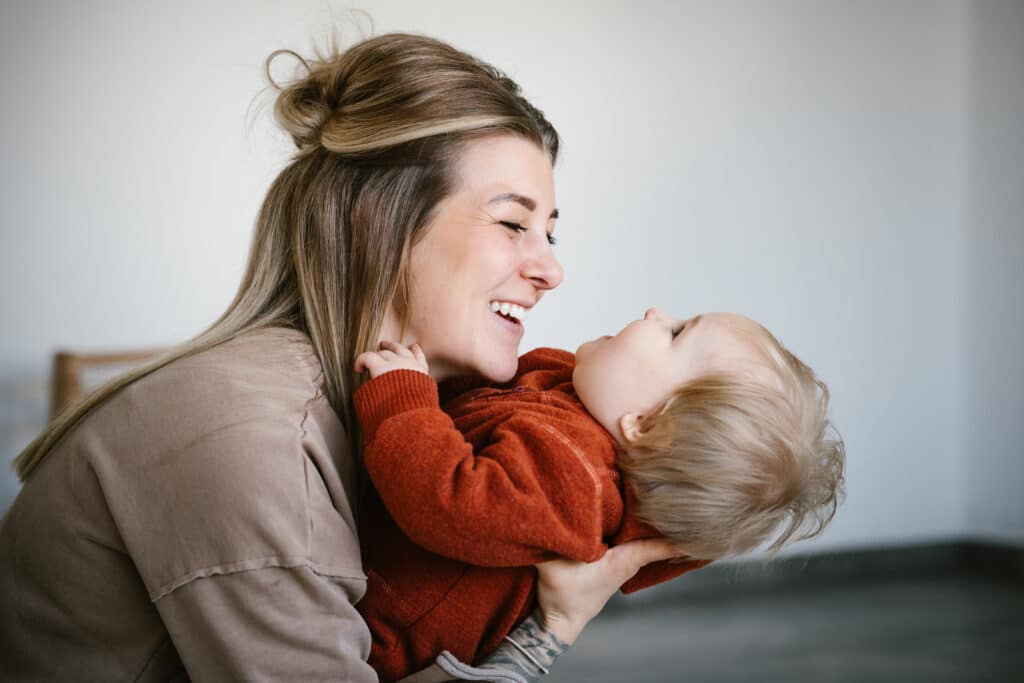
(264, 372)
(259, 393)
(269, 357)
(224, 461)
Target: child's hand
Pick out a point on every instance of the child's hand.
(392, 356)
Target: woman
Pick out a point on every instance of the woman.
(196, 517)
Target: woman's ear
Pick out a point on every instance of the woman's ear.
(629, 425)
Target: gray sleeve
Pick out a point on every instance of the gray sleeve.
(526, 654)
(529, 651)
(270, 624)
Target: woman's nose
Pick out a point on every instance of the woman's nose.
(543, 269)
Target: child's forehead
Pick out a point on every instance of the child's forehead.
(738, 339)
(754, 354)
(731, 329)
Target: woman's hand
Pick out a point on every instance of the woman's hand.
(392, 356)
(571, 593)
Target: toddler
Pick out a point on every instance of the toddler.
(707, 432)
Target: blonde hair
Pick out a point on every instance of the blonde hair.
(378, 128)
(730, 462)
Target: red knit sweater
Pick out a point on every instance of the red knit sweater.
(500, 479)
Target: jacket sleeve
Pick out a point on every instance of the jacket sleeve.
(529, 495)
(269, 624)
(246, 542)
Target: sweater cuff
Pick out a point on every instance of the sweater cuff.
(390, 394)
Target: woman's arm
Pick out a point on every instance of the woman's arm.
(569, 595)
(274, 623)
(530, 650)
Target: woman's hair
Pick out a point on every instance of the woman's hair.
(731, 461)
(379, 128)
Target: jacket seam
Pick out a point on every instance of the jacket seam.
(228, 569)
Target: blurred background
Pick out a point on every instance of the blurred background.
(850, 174)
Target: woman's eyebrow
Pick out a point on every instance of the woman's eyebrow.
(530, 204)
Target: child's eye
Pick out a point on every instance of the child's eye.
(677, 332)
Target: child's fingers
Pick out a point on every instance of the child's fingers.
(395, 348)
(363, 361)
(417, 353)
(399, 349)
(391, 356)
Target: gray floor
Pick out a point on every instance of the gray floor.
(926, 629)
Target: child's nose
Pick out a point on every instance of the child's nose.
(654, 314)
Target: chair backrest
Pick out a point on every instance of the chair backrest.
(77, 374)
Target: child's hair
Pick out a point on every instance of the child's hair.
(731, 461)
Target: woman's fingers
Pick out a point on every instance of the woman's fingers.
(571, 593)
(627, 559)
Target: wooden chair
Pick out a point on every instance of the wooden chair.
(77, 374)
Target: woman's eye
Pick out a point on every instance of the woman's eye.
(519, 227)
(513, 226)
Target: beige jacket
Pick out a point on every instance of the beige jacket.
(196, 526)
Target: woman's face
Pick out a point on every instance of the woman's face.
(487, 251)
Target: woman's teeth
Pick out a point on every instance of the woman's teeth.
(509, 310)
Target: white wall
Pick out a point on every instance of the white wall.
(800, 162)
(994, 450)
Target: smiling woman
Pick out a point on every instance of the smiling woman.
(194, 517)
(490, 242)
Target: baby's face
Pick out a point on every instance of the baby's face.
(639, 368)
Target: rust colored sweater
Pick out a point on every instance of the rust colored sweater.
(470, 497)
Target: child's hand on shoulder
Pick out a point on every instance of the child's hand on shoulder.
(392, 356)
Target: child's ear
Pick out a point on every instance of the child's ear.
(629, 425)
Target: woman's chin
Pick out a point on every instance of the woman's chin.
(500, 377)
(501, 371)
(494, 370)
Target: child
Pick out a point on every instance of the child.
(720, 434)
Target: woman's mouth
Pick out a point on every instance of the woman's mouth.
(509, 311)
(511, 315)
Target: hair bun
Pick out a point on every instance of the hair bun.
(304, 105)
(394, 89)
